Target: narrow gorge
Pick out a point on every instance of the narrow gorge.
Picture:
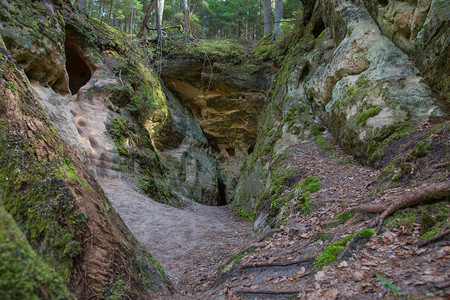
(313, 166)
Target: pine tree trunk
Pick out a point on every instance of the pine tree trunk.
(267, 16)
(278, 17)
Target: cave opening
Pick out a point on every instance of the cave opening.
(318, 28)
(77, 69)
(222, 200)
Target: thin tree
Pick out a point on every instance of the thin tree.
(159, 18)
(278, 17)
(147, 16)
(111, 5)
(186, 16)
(267, 4)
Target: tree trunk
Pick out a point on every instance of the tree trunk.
(147, 16)
(110, 12)
(267, 16)
(186, 16)
(159, 18)
(82, 6)
(278, 17)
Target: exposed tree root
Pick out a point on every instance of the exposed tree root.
(266, 292)
(434, 238)
(430, 193)
(278, 263)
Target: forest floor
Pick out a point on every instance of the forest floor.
(389, 265)
(192, 243)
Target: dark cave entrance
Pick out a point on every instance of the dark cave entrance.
(78, 71)
(222, 196)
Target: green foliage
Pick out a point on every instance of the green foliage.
(394, 289)
(23, 274)
(242, 212)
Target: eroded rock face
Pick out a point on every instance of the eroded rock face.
(350, 79)
(45, 185)
(225, 102)
(421, 29)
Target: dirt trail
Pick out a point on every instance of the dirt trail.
(190, 243)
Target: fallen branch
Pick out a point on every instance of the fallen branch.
(266, 292)
(434, 238)
(278, 263)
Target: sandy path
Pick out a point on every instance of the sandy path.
(190, 243)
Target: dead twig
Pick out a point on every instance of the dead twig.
(434, 238)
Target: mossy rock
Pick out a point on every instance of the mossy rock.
(23, 274)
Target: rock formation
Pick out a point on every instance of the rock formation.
(343, 74)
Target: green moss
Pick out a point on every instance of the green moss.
(402, 218)
(427, 221)
(421, 150)
(333, 250)
(362, 81)
(23, 274)
(32, 190)
(134, 145)
(345, 216)
(380, 139)
(331, 253)
(117, 289)
(221, 50)
(321, 236)
(361, 118)
(71, 174)
(325, 146)
(319, 39)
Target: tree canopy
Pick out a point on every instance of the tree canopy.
(210, 19)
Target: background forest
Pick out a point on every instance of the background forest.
(211, 19)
